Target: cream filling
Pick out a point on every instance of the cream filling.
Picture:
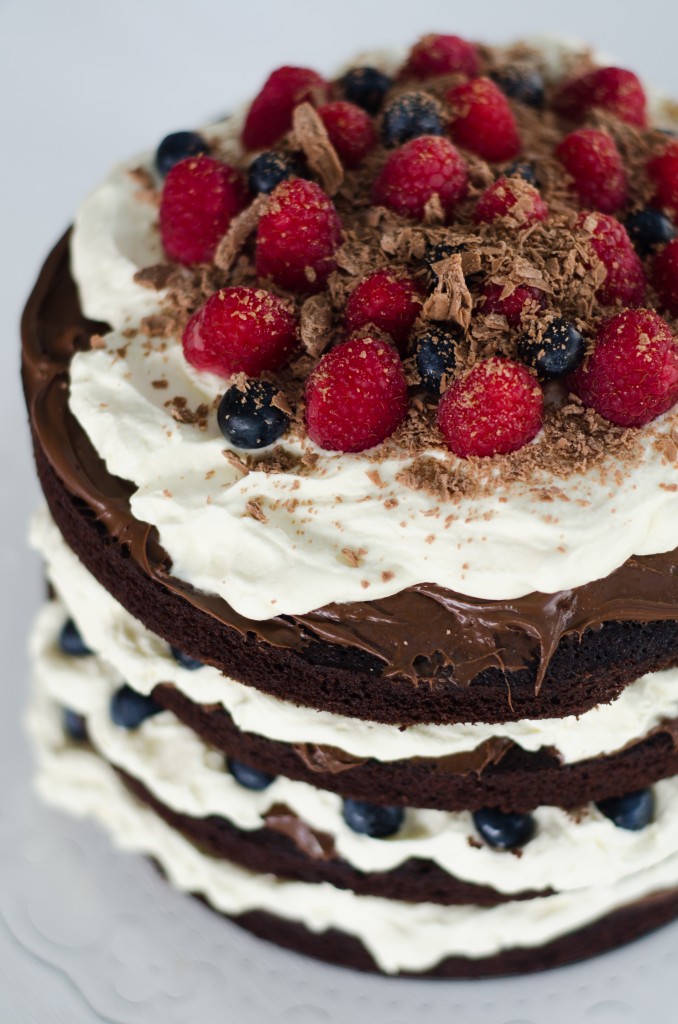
(502, 546)
(568, 851)
(144, 660)
(400, 936)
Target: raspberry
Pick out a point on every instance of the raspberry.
(632, 375)
(625, 281)
(351, 131)
(441, 55)
(297, 237)
(199, 199)
(511, 306)
(387, 301)
(270, 115)
(665, 276)
(496, 408)
(483, 121)
(594, 163)
(356, 396)
(614, 89)
(240, 330)
(512, 200)
(663, 170)
(422, 168)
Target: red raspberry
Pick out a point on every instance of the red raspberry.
(389, 302)
(297, 237)
(632, 374)
(424, 167)
(665, 276)
(270, 115)
(613, 89)
(240, 330)
(512, 200)
(625, 281)
(356, 396)
(199, 199)
(483, 121)
(441, 55)
(351, 131)
(663, 170)
(496, 408)
(511, 306)
(593, 161)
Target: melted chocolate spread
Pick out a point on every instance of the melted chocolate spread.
(414, 633)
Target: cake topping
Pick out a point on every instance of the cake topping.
(624, 281)
(410, 115)
(521, 82)
(556, 351)
(435, 358)
(595, 166)
(270, 168)
(437, 55)
(387, 300)
(504, 830)
(270, 115)
(366, 87)
(649, 229)
(422, 169)
(199, 199)
(512, 200)
(350, 129)
(241, 330)
(663, 170)
(372, 820)
(483, 121)
(613, 89)
(513, 303)
(665, 277)
(356, 396)
(177, 147)
(253, 414)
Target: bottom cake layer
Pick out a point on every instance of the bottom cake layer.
(365, 932)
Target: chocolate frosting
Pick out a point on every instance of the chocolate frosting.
(415, 633)
(315, 844)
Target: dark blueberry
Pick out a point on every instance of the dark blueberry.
(521, 82)
(437, 251)
(71, 643)
(648, 229)
(249, 419)
(75, 725)
(129, 708)
(408, 116)
(270, 168)
(250, 778)
(504, 830)
(372, 820)
(177, 147)
(366, 87)
(435, 355)
(521, 169)
(559, 351)
(185, 660)
(632, 812)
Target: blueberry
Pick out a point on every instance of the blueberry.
(521, 82)
(250, 778)
(559, 351)
(633, 811)
(437, 251)
(75, 725)
(410, 115)
(70, 641)
(521, 169)
(372, 820)
(366, 87)
(648, 229)
(185, 660)
(435, 355)
(129, 708)
(249, 419)
(504, 830)
(177, 147)
(270, 168)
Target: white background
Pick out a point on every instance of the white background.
(83, 83)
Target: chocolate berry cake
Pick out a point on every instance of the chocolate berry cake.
(355, 415)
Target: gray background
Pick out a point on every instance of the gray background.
(87, 934)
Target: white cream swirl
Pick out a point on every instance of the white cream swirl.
(143, 659)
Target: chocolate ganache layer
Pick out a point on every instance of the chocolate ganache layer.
(423, 655)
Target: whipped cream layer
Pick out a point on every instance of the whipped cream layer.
(144, 660)
(568, 851)
(399, 936)
(501, 546)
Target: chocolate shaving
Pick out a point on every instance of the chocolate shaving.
(156, 277)
(316, 324)
(311, 137)
(240, 229)
(253, 508)
(451, 299)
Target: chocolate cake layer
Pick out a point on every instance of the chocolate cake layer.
(308, 857)
(539, 656)
(518, 781)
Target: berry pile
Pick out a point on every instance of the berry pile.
(468, 228)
